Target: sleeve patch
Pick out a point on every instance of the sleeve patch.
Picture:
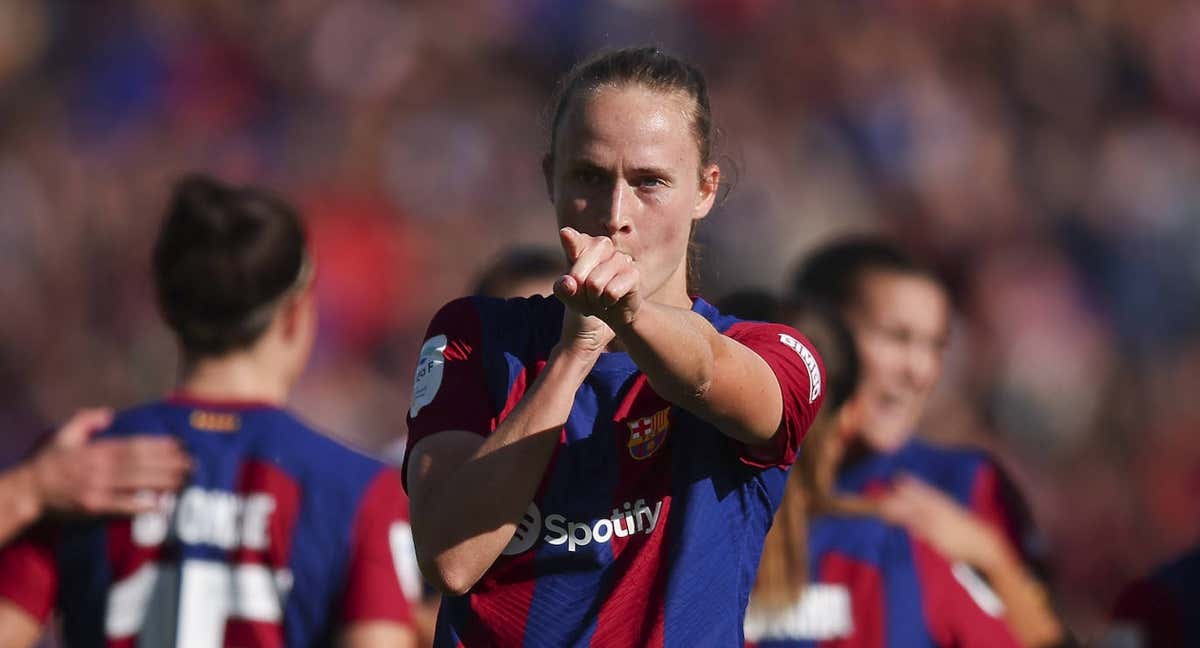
(431, 365)
(810, 363)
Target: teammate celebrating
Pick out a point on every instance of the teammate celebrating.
(956, 499)
(832, 571)
(601, 467)
(281, 536)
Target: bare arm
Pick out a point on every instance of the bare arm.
(959, 535)
(377, 634)
(458, 533)
(103, 477)
(17, 628)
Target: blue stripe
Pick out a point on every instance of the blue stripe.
(569, 588)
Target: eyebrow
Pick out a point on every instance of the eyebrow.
(640, 171)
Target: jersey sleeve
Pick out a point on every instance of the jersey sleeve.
(996, 500)
(450, 388)
(29, 572)
(382, 564)
(798, 369)
(953, 615)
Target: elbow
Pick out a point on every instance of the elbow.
(446, 577)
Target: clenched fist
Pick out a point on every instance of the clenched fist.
(603, 282)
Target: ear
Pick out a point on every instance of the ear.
(548, 174)
(710, 185)
(295, 311)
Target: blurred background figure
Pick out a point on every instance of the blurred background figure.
(520, 272)
(834, 571)
(1043, 157)
(281, 536)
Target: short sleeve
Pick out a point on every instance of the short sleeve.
(798, 369)
(382, 565)
(997, 501)
(449, 385)
(29, 572)
(954, 616)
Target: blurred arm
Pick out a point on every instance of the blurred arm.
(73, 475)
(17, 628)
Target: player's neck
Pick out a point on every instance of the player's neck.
(235, 377)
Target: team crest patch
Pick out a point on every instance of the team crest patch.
(648, 434)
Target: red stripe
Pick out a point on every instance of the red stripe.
(261, 477)
(240, 633)
(633, 613)
(501, 600)
(124, 554)
(866, 599)
(123, 642)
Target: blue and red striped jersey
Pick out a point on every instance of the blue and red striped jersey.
(280, 538)
(1160, 610)
(968, 475)
(648, 524)
(874, 586)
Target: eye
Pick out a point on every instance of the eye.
(651, 182)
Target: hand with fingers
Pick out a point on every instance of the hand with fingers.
(106, 477)
(937, 519)
(601, 289)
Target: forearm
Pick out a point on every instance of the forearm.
(464, 513)
(691, 365)
(20, 504)
(1027, 609)
(675, 348)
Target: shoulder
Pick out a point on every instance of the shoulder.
(957, 467)
(323, 453)
(148, 418)
(862, 537)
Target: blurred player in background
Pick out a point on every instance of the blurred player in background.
(957, 499)
(834, 573)
(601, 468)
(70, 475)
(281, 537)
(520, 272)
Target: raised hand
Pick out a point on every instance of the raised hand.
(603, 282)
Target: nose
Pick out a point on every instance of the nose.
(621, 205)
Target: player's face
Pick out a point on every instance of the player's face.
(626, 165)
(900, 324)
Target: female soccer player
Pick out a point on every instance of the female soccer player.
(833, 572)
(281, 537)
(956, 499)
(600, 468)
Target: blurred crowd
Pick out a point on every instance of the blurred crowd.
(1044, 155)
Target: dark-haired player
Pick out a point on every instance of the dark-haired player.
(833, 573)
(957, 499)
(281, 537)
(600, 468)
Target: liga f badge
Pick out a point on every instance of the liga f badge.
(648, 434)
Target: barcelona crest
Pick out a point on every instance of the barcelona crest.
(648, 434)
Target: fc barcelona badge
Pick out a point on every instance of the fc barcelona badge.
(648, 434)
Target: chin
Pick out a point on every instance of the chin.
(887, 436)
